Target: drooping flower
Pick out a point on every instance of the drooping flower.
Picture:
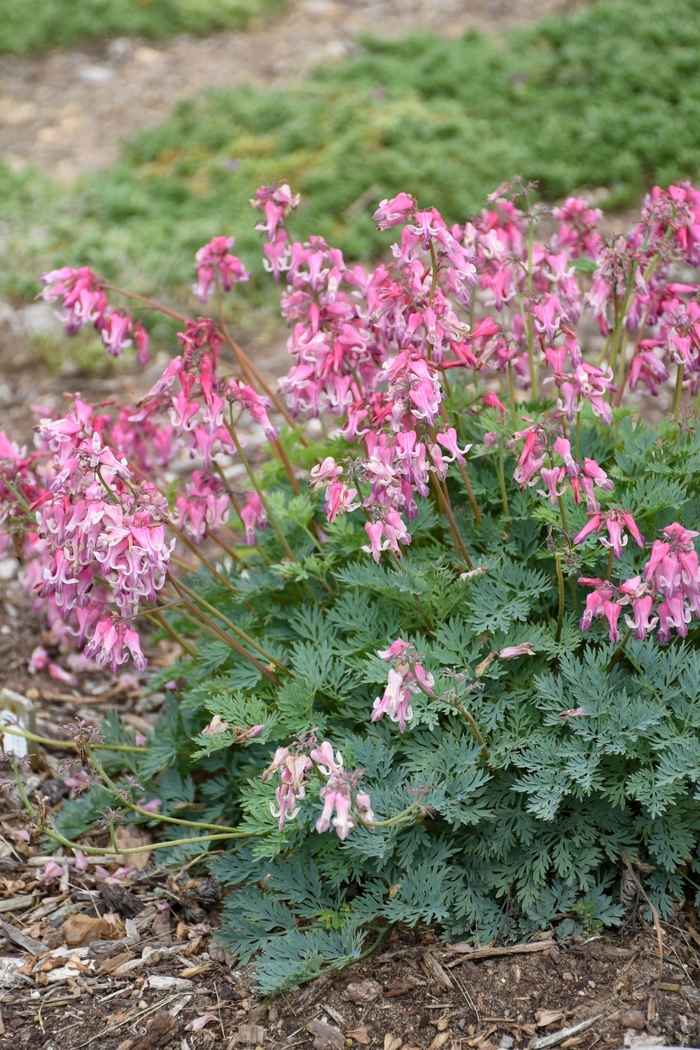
(214, 259)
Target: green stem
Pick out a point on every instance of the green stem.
(560, 584)
(202, 620)
(20, 788)
(511, 396)
(101, 852)
(159, 620)
(144, 812)
(70, 744)
(256, 485)
(502, 479)
(234, 627)
(562, 514)
(678, 392)
(617, 655)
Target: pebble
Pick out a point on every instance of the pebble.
(8, 568)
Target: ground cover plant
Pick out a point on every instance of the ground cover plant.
(440, 659)
(57, 23)
(603, 96)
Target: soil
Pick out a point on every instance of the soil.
(65, 112)
(397, 1000)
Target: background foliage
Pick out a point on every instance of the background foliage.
(605, 96)
(49, 23)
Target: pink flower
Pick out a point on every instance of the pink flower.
(81, 294)
(57, 672)
(673, 613)
(375, 532)
(328, 762)
(492, 400)
(81, 862)
(395, 211)
(257, 406)
(324, 472)
(611, 611)
(616, 522)
(576, 712)
(154, 805)
(512, 652)
(642, 623)
(140, 739)
(253, 517)
(340, 803)
(395, 651)
(448, 440)
(217, 725)
(395, 702)
(339, 500)
(39, 660)
(110, 640)
(51, 872)
(552, 479)
(214, 258)
(595, 601)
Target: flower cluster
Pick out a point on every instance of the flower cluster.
(671, 578)
(84, 301)
(339, 792)
(407, 676)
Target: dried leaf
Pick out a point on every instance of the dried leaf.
(129, 836)
(327, 1036)
(80, 930)
(392, 1042)
(200, 1022)
(545, 1017)
(250, 1035)
(437, 972)
(440, 1039)
(361, 1035)
(113, 963)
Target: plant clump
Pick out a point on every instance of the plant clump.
(440, 656)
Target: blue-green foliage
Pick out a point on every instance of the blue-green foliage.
(544, 815)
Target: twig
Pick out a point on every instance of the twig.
(487, 953)
(565, 1033)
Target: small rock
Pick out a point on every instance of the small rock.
(96, 74)
(506, 1042)
(633, 1019)
(362, 991)
(566, 976)
(8, 568)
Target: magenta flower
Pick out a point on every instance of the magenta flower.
(395, 211)
(111, 640)
(81, 295)
(339, 500)
(215, 259)
(595, 601)
(253, 517)
(257, 406)
(616, 522)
